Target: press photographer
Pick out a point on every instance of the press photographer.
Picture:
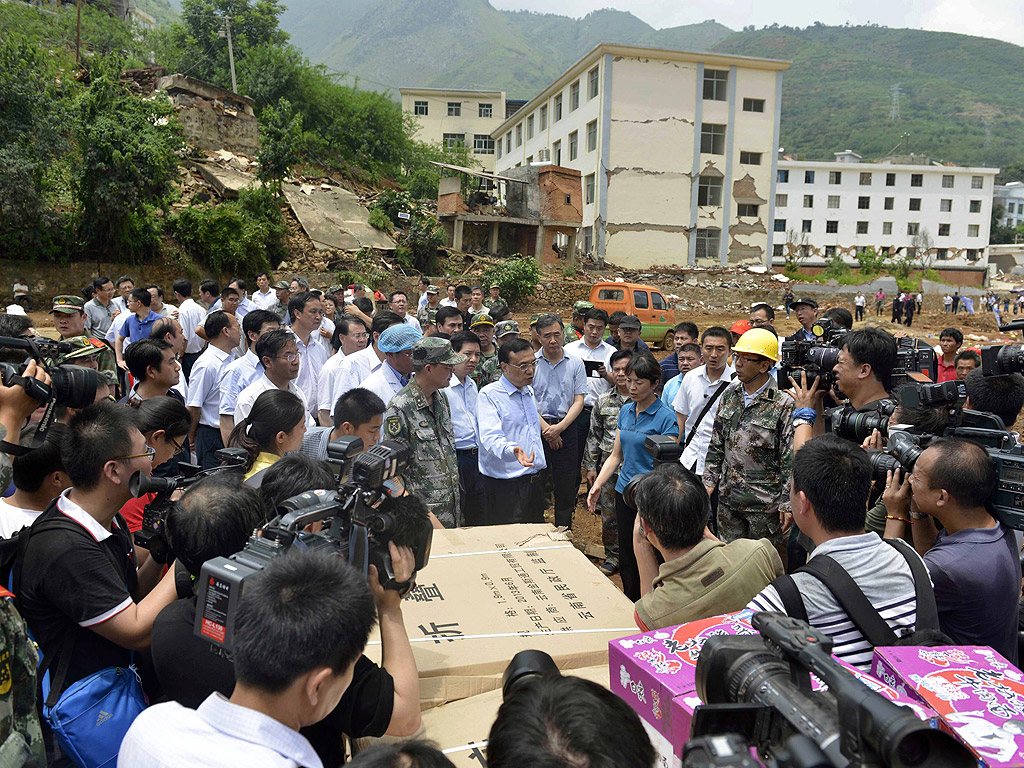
(303, 623)
(831, 483)
(215, 518)
(700, 575)
(973, 559)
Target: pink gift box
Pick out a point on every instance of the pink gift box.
(977, 693)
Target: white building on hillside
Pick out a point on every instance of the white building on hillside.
(903, 202)
(1010, 197)
(676, 152)
(452, 117)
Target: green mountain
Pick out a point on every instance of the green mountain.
(961, 98)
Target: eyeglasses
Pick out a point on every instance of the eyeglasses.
(149, 454)
(360, 336)
(525, 366)
(178, 447)
(746, 359)
(291, 357)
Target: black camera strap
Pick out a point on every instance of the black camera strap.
(704, 411)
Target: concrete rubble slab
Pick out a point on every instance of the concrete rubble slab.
(225, 181)
(334, 219)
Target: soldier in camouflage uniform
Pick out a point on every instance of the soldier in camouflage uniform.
(750, 459)
(483, 326)
(21, 740)
(495, 296)
(604, 422)
(419, 416)
(490, 371)
(86, 353)
(279, 307)
(69, 320)
(574, 332)
(432, 305)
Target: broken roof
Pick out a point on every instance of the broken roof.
(474, 172)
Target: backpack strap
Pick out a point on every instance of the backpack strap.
(927, 612)
(852, 600)
(790, 596)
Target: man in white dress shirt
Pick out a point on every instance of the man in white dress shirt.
(350, 335)
(265, 297)
(190, 315)
(305, 315)
(280, 359)
(396, 345)
(355, 368)
(286, 676)
(224, 333)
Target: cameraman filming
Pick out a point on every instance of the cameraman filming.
(973, 559)
(215, 518)
(301, 628)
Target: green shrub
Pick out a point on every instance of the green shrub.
(241, 236)
(871, 263)
(379, 220)
(836, 268)
(518, 277)
(391, 202)
(423, 237)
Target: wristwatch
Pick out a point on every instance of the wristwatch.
(802, 422)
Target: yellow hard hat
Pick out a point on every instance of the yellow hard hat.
(758, 341)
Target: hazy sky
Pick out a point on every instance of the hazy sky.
(1002, 19)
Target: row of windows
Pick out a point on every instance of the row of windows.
(865, 179)
(556, 154)
(863, 228)
(888, 203)
(1009, 207)
(482, 143)
(454, 109)
(556, 103)
(942, 254)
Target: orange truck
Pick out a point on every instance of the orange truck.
(644, 301)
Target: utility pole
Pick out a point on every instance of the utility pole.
(226, 32)
(78, 34)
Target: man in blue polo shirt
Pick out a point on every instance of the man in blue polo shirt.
(510, 443)
(139, 323)
(560, 383)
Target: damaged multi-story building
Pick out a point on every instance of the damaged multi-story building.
(676, 150)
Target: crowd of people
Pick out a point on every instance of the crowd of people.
(501, 423)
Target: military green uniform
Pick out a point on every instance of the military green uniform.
(426, 428)
(750, 461)
(604, 421)
(482, 377)
(279, 309)
(424, 314)
(21, 740)
(569, 335)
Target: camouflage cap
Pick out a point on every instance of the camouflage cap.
(333, 289)
(433, 289)
(506, 327)
(84, 346)
(535, 317)
(494, 285)
(67, 305)
(582, 306)
(281, 285)
(482, 319)
(433, 350)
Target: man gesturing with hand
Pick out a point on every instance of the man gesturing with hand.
(511, 447)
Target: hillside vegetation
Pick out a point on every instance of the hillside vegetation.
(961, 95)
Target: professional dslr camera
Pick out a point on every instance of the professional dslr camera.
(153, 534)
(757, 692)
(904, 445)
(665, 450)
(352, 529)
(72, 385)
(814, 358)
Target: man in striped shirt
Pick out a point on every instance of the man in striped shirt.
(831, 483)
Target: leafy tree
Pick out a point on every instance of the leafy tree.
(128, 163)
(871, 262)
(33, 124)
(280, 134)
(518, 277)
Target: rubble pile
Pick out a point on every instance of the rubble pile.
(143, 81)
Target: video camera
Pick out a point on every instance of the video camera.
(71, 385)
(665, 450)
(814, 358)
(153, 533)
(913, 356)
(986, 429)
(353, 529)
(758, 688)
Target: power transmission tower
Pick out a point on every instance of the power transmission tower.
(226, 32)
(894, 110)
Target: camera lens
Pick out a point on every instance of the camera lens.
(1009, 359)
(823, 357)
(74, 386)
(857, 425)
(629, 492)
(881, 464)
(905, 448)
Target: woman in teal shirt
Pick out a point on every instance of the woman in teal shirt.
(644, 415)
